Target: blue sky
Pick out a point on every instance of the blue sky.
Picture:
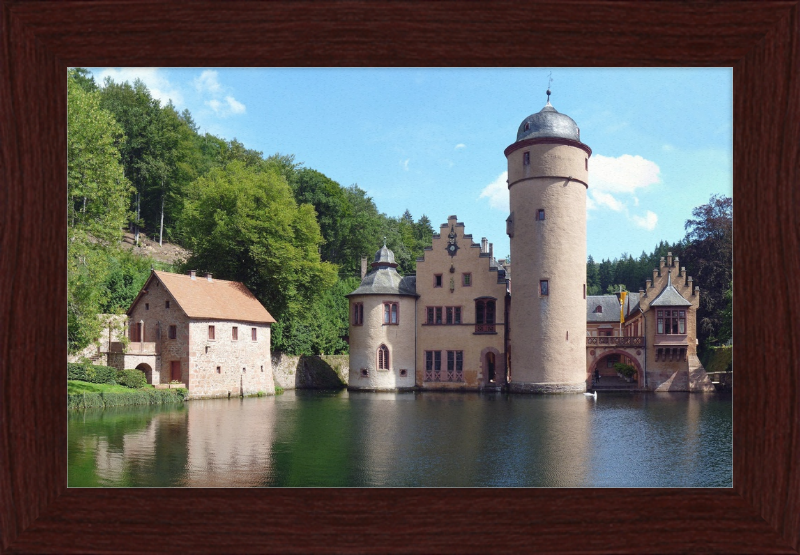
(432, 140)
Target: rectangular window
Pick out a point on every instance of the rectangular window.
(437, 280)
(526, 159)
(544, 288)
(451, 366)
(219, 370)
(456, 314)
(147, 306)
(235, 333)
(466, 280)
(540, 214)
(211, 332)
(429, 315)
(173, 332)
(449, 312)
(682, 322)
(254, 334)
(437, 365)
(166, 304)
(358, 314)
(438, 311)
(428, 366)
(390, 313)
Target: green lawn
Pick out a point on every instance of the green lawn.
(75, 386)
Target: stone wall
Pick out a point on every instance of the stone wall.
(310, 372)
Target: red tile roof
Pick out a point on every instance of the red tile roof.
(218, 299)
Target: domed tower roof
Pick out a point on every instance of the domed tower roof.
(548, 123)
(384, 257)
(384, 279)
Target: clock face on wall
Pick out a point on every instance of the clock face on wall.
(451, 242)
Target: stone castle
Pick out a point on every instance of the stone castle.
(462, 322)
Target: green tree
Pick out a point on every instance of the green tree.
(243, 224)
(708, 254)
(97, 201)
(592, 277)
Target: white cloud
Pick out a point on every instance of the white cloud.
(405, 163)
(154, 78)
(623, 174)
(214, 105)
(497, 192)
(607, 200)
(460, 146)
(208, 82)
(648, 222)
(235, 106)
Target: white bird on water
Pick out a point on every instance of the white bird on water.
(591, 394)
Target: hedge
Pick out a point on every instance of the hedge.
(133, 397)
(91, 373)
(134, 379)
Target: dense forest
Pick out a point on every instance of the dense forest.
(294, 236)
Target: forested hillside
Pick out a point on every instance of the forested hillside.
(294, 236)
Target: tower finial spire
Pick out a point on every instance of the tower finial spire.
(549, 82)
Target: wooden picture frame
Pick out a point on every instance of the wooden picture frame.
(40, 39)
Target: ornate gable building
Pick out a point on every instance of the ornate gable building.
(460, 325)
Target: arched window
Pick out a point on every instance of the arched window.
(598, 309)
(383, 357)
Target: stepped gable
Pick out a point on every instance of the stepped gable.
(213, 299)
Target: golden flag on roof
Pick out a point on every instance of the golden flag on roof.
(622, 296)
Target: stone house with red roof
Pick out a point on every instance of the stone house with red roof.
(211, 335)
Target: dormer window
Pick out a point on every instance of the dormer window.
(527, 126)
(598, 309)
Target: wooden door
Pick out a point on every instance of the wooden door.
(175, 370)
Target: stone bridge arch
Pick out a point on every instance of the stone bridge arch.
(595, 354)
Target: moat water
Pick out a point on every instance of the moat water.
(347, 439)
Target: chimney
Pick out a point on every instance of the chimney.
(363, 266)
(655, 274)
(661, 263)
(677, 261)
(491, 251)
(650, 283)
(208, 277)
(689, 283)
(642, 293)
(683, 269)
(669, 259)
(484, 243)
(193, 274)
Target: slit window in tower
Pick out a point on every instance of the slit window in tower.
(544, 288)
(540, 214)
(526, 159)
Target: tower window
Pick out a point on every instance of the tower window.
(437, 280)
(526, 159)
(544, 288)
(166, 304)
(147, 306)
(211, 332)
(586, 162)
(254, 334)
(527, 126)
(540, 214)
(390, 313)
(235, 333)
(358, 314)
(383, 357)
(466, 280)
(172, 332)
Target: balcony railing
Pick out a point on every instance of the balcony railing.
(143, 348)
(484, 328)
(629, 341)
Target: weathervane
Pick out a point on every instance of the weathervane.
(549, 82)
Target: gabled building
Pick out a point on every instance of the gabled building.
(211, 335)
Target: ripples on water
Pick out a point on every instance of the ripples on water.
(428, 439)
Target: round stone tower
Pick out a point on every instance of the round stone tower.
(382, 326)
(548, 169)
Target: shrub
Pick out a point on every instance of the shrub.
(278, 390)
(134, 379)
(626, 370)
(91, 373)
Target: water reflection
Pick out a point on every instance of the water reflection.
(423, 439)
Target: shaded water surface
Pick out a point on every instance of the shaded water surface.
(313, 438)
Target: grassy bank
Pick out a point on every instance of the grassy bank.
(81, 395)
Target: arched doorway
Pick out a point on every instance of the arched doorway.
(603, 371)
(148, 372)
(491, 371)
